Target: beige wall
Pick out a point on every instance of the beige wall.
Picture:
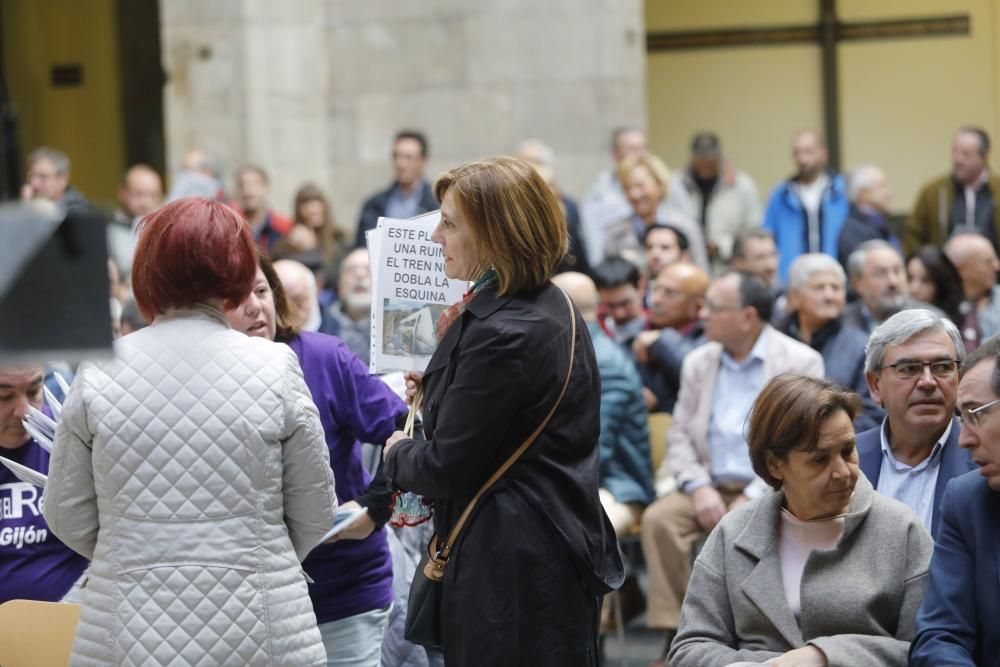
(83, 121)
(900, 100)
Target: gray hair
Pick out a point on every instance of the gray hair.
(856, 260)
(903, 326)
(860, 179)
(58, 158)
(805, 266)
(546, 155)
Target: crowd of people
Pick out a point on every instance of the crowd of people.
(826, 492)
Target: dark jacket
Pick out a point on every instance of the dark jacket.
(955, 461)
(374, 208)
(843, 348)
(626, 469)
(856, 314)
(859, 227)
(662, 373)
(956, 624)
(576, 259)
(524, 580)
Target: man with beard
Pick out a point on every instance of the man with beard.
(805, 213)
(665, 245)
(911, 367)
(348, 317)
(964, 200)
(676, 297)
(877, 275)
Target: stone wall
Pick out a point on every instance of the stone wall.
(315, 89)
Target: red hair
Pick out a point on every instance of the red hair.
(193, 249)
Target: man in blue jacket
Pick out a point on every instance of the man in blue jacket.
(911, 366)
(957, 623)
(805, 213)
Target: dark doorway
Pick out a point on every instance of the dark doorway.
(142, 80)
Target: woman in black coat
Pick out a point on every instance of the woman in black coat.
(524, 580)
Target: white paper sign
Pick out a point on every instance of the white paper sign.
(410, 292)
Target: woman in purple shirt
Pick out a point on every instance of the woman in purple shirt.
(352, 589)
(34, 564)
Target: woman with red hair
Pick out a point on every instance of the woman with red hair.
(191, 468)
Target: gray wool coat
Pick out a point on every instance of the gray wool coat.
(859, 600)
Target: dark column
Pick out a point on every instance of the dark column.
(831, 90)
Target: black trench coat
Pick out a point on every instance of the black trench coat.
(524, 582)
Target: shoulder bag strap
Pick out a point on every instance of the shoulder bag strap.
(446, 548)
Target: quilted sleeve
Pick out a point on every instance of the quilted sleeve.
(70, 498)
(307, 479)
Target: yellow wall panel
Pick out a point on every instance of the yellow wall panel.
(84, 121)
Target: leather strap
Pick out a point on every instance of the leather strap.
(437, 560)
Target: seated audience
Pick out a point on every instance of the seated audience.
(619, 286)
(664, 245)
(299, 284)
(824, 571)
(933, 279)
(34, 564)
(877, 275)
(816, 297)
(676, 299)
(912, 369)
(977, 264)
(626, 476)
(706, 450)
(646, 181)
(957, 623)
(349, 317)
(754, 252)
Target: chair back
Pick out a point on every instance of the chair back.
(36, 633)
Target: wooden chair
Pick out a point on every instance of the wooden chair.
(659, 422)
(34, 634)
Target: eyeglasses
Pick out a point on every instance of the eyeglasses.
(972, 417)
(907, 370)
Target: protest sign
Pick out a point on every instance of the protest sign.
(410, 292)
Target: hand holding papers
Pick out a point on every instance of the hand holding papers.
(344, 518)
(410, 292)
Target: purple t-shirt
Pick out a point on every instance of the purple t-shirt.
(351, 576)
(34, 564)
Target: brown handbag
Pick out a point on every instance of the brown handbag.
(423, 614)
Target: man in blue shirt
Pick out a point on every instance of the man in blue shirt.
(956, 624)
(911, 366)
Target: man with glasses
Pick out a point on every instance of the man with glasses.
(707, 453)
(676, 297)
(957, 623)
(911, 366)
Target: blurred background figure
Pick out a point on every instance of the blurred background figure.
(349, 316)
(199, 176)
(540, 156)
(976, 261)
(717, 195)
(299, 285)
(253, 190)
(933, 279)
(315, 239)
(47, 178)
(868, 218)
(140, 193)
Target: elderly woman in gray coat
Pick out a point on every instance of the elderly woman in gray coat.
(824, 571)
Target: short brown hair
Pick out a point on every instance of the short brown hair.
(518, 226)
(193, 249)
(286, 320)
(788, 414)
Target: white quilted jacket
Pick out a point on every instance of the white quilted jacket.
(193, 471)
